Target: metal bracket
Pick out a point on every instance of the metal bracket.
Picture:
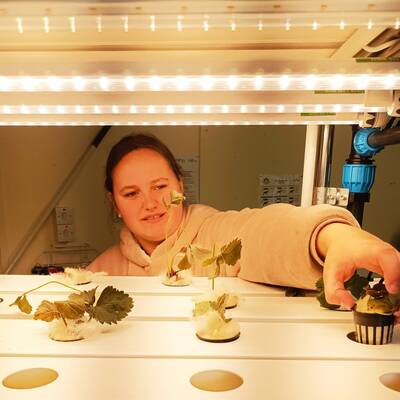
(332, 196)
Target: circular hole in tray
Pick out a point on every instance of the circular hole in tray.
(226, 340)
(30, 378)
(352, 336)
(391, 380)
(216, 380)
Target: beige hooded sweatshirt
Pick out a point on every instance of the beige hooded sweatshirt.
(278, 243)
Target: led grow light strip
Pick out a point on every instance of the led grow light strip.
(25, 109)
(118, 83)
(178, 123)
(199, 21)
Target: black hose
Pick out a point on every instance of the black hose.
(384, 138)
(100, 136)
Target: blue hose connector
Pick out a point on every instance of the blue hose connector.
(358, 178)
(361, 145)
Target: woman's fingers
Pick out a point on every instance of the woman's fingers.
(376, 256)
(390, 264)
(380, 257)
(334, 278)
(342, 297)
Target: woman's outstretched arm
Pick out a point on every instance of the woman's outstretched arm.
(346, 248)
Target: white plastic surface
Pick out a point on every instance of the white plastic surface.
(252, 308)
(258, 340)
(288, 348)
(150, 285)
(145, 379)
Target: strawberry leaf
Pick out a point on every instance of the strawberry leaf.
(23, 304)
(112, 306)
(176, 198)
(201, 308)
(71, 309)
(184, 263)
(355, 284)
(231, 252)
(47, 311)
(209, 261)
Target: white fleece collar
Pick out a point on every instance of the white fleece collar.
(131, 249)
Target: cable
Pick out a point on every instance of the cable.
(383, 46)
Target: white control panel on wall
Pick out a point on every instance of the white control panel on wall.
(64, 224)
(279, 189)
(191, 179)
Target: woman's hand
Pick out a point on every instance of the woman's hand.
(346, 249)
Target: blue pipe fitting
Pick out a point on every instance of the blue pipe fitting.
(361, 145)
(358, 178)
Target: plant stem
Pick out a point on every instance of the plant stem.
(47, 283)
(168, 209)
(170, 266)
(170, 260)
(212, 280)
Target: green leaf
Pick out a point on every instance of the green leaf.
(209, 261)
(201, 308)
(47, 311)
(220, 306)
(205, 306)
(200, 253)
(213, 272)
(112, 306)
(176, 197)
(231, 252)
(23, 304)
(395, 299)
(355, 285)
(379, 305)
(184, 263)
(320, 284)
(323, 303)
(71, 309)
(88, 297)
(68, 309)
(220, 303)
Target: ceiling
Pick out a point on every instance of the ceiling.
(198, 62)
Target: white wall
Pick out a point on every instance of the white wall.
(34, 160)
(232, 157)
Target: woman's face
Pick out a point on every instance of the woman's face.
(140, 181)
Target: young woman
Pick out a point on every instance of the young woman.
(281, 244)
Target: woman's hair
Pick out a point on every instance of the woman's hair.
(135, 142)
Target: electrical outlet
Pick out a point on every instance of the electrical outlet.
(65, 233)
(64, 216)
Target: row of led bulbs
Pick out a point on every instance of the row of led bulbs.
(181, 22)
(175, 123)
(201, 83)
(185, 109)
